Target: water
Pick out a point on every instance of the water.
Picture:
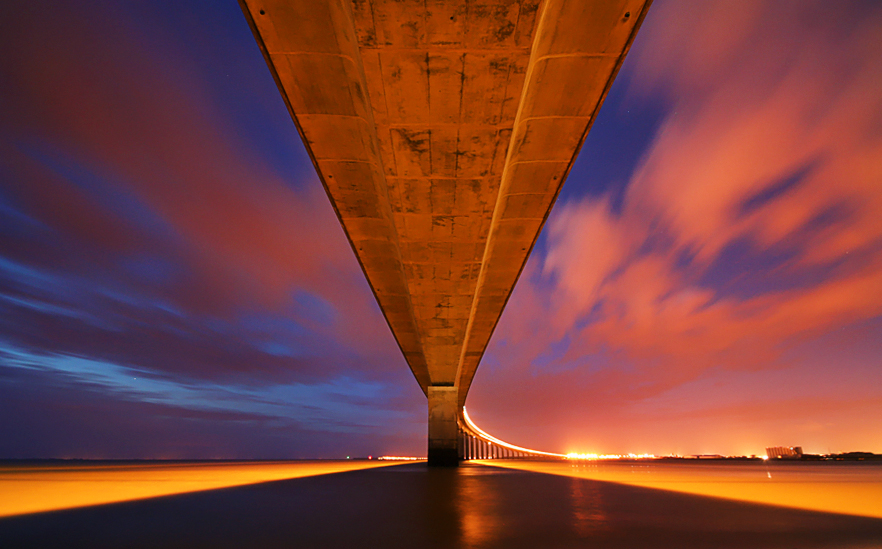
(851, 488)
(472, 506)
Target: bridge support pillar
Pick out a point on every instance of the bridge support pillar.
(442, 426)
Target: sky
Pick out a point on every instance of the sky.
(174, 282)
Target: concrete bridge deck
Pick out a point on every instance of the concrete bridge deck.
(442, 132)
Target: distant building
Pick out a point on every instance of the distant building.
(784, 452)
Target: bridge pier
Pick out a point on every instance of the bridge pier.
(443, 431)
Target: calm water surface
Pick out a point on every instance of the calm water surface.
(472, 506)
(845, 487)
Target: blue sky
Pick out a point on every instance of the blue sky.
(174, 283)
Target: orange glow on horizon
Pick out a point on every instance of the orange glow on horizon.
(593, 457)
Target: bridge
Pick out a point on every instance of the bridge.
(442, 131)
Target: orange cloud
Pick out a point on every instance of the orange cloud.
(751, 226)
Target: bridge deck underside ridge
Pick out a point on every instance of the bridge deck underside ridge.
(442, 132)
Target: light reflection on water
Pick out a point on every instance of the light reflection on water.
(495, 509)
(473, 506)
(37, 487)
(499, 511)
(853, 488)
(588, 515)
(479, 516)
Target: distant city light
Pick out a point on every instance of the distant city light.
(592, 457)
(400, 458)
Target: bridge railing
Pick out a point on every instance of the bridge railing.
(474, 443)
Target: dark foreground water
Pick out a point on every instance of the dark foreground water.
(413, 506)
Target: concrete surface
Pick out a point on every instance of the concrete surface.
(442, 132)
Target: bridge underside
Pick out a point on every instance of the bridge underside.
(442, 131)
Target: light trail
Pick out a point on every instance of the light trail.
(845, 489)
(29, 489)
(471, 425)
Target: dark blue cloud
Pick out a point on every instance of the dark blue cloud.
(172, 280)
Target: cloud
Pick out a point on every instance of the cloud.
(750, 227)
(160, 217)
(131, 152)
(139, 202)
(337, 404)
(47, 415)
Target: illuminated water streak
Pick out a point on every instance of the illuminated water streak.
(851, 489)
(38, 488)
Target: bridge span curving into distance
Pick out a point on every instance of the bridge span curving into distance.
(442, 131)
